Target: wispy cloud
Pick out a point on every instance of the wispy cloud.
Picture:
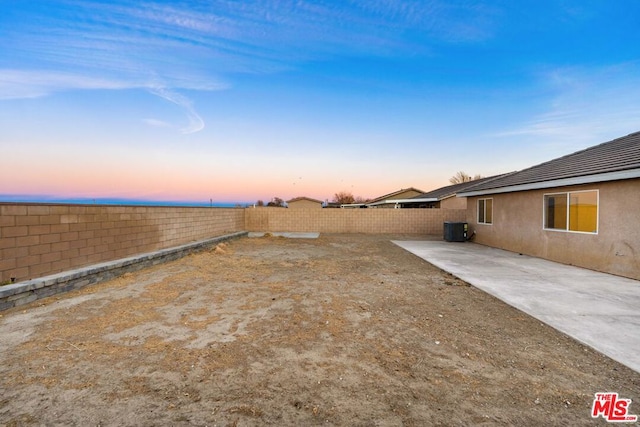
(228, 36)
(36, 83)
(156, 123)
(449, 21)
(16, 84)
(587, 105)
(196, 123)
(96, 44)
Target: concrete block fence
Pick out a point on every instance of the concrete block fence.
(47, 249)
(17, 294)
(39, 240)
(367, 221)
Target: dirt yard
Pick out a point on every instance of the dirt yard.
(346, 330)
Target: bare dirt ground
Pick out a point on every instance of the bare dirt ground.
(341, 330)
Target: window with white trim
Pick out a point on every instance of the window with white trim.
(485, 211)
(575, 211)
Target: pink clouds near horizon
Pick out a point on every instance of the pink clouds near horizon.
(188, 187)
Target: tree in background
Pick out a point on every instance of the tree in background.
(343, 197)
(259, 203)
(461, 177)
(276, 202)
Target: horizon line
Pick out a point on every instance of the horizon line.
(113, 201)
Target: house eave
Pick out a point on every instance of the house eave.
(579, 180)
(448, 196)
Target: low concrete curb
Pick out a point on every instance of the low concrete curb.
(18, 294)
(287, 234)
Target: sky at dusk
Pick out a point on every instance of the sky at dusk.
(237, 101)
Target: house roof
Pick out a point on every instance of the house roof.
(297, 199)
(610, 161)
(451, 190)
(395, 193)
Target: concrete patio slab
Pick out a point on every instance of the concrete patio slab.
(597, 309)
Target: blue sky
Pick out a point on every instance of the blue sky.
(239, 101)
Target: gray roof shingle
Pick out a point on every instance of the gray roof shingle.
(451, 190)
(618, 155)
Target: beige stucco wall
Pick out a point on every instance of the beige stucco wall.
(518, 227)
(304, 204)
(453, 203)
(371, 221)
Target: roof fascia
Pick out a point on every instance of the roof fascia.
(448, 196)
(588, 179)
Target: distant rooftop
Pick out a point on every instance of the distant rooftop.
(296, 199)
(451, 190)
(395, 193)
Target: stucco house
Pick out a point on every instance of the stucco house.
(393, 200)
(304, 202)
(582, 209)
(443, 197)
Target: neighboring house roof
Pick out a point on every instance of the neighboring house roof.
(297, 199)
(610, 161)
(332, 205)
(451, 190)
(395, 193)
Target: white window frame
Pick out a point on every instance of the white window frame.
(568, 194)
(485, 211)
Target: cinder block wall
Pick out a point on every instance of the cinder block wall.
(38, 240)
(369, 221)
